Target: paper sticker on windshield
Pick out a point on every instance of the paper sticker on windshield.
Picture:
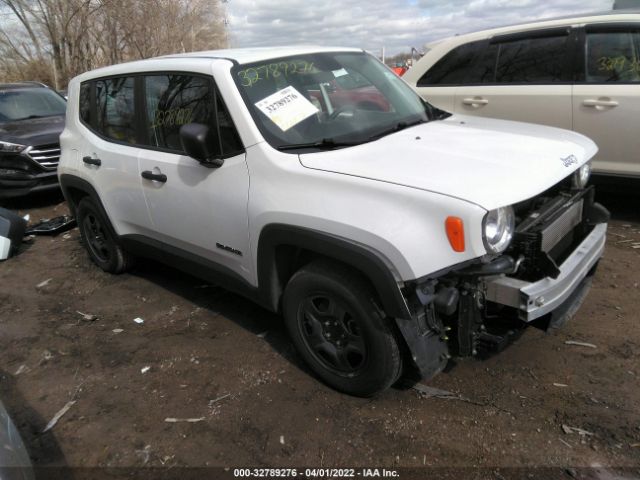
(286, 108)
(339, 73)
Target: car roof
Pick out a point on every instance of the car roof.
(613, 16)
(233, 55)
(257, 54)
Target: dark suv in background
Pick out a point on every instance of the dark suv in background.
(31, 120)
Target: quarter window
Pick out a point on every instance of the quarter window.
(613, 57)
(115, 112)
(229, 139)
(85, 103)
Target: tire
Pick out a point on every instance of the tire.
(99, 240)
(336, 326)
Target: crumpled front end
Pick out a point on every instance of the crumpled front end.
(541, 279)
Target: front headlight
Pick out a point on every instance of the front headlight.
(581, 176)
(11, 147)
(498, 228)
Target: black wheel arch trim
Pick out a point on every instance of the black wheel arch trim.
(270, 288)
(71, 182)
(365, 260)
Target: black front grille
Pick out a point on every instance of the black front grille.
(47, 156)
(547, 234)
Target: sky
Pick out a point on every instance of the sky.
(396, 25)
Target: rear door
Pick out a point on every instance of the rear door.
(606, 99)
(195, 209)
(109, 152)
(524, 77)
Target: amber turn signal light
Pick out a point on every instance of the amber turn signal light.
(455, 233)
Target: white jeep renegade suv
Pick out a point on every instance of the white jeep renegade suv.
(389, 234)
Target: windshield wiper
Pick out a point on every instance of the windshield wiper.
(396, 128)
(330, 143)
(324, 144)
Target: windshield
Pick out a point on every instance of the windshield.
(328, 100)
(30, 103)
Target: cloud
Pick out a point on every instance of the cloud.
(397, 25)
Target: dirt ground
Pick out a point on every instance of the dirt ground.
(207, 354)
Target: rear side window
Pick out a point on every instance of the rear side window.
(612, 57)
(453, 67)
(174, 100)
(532, 60)
(484, 69)
(115, 109)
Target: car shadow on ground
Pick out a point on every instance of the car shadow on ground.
(43, 448)
(215, 298)
(621, 197)
(35, 201)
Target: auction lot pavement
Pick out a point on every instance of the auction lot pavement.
(215, 358)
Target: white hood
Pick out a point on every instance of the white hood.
(491, 163)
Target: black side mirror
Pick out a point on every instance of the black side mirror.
(201, 143)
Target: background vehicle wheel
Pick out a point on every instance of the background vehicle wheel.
(335, 324)
(100, 243)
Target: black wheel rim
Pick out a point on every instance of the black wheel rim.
(332, 334)
(96, 238)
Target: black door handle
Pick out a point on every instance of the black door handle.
(158, 177)
(92, 161)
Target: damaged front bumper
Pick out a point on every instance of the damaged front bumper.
(542, 279)
(533, 300)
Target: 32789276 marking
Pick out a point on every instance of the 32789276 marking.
(252, 75)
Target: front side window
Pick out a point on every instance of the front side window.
(532, 60)
(115, 112)
(327, 100)
(28, 103)
(174, 101)
(613, 57)
(453, 67)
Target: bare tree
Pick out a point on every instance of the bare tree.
(54, 40)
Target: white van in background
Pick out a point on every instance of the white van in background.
(579, 73)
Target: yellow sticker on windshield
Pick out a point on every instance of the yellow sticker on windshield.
(286, 108)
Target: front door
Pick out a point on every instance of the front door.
(193, 208)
